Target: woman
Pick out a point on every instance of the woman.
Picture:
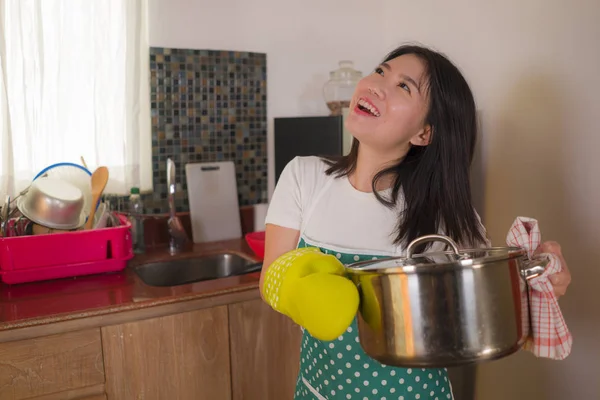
(414, 126)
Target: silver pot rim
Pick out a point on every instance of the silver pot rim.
(447, 260)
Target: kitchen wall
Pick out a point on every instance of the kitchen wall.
(534, 67)
(208, 106)
(303, 42)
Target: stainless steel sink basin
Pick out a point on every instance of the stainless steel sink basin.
(189, 270)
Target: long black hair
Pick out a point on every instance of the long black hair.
(435, 178)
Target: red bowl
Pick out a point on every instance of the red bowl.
(256, 241)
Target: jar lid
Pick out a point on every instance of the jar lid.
(346, 71)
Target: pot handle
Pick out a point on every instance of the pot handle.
(430, 238)
(534, 267)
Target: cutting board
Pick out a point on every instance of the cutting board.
(213, 201)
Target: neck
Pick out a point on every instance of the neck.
(369, 163)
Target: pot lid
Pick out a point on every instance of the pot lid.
(455, 257)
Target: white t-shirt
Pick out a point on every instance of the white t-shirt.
(330, 211)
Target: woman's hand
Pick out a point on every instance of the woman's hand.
(560, 280)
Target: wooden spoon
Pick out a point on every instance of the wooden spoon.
(99, 180)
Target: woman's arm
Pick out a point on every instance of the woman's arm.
(278, 241)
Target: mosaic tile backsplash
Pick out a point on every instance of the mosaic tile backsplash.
(208, 105)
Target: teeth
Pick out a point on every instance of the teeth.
(369, 107)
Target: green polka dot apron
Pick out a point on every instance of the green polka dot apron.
(340, 369)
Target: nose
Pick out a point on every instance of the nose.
(374, 90)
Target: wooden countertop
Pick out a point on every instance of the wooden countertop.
(29, 310)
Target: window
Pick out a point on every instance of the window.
(74, 83)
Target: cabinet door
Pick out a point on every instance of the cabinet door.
(42, 367)
(177, 357)
(265, 352)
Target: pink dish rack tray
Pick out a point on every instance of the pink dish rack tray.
(63, 255)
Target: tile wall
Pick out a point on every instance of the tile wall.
(208, 105)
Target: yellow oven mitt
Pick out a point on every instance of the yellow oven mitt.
(310, 288)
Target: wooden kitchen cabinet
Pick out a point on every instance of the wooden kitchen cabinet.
(237, 351)
(52, 367)
(177, 357)
(265, 352)
(97, 397)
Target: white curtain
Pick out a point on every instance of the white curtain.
(74, 83)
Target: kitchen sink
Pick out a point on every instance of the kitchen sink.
(189, 270)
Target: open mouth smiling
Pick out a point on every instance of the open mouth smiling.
(364, 106)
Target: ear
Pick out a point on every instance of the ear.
(423, 138)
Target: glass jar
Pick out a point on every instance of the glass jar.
(340, 87)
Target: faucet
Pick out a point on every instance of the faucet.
(178, 238)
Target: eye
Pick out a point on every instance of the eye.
(379, 71)
(404, 86)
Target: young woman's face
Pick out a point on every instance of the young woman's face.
(389, 106)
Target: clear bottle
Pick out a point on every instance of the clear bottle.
(340, 87)
(136, 211)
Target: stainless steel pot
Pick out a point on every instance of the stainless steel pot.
(446, 308)
(53, 203)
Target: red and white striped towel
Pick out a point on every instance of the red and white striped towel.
(550, 337)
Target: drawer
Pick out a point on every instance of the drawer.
(36, 367)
